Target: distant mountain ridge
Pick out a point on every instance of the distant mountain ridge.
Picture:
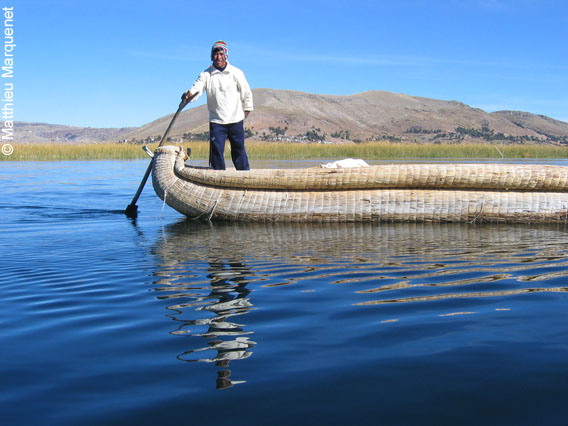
(57, 133)
(374, 115)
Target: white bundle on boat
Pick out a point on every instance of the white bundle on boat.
(345, 164)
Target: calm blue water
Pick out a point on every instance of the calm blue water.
(105, 320)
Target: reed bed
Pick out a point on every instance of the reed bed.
(63, 152)
(388, 150)
(291, 151)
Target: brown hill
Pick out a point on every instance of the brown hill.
(46, 133)
(540, 123)
(371, 115)
(374, 115)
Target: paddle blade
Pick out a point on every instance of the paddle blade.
(131, 211)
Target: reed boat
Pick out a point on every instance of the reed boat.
(512, 193)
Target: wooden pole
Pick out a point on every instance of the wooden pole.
(132, 209)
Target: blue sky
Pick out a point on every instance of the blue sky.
(126, 62)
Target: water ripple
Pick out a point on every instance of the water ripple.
(217, 275)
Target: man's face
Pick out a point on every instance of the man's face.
(219, 58)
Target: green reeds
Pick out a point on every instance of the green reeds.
(291, 151)
(397, 150)
(62, 152)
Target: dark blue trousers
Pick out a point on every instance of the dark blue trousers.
(218, 134)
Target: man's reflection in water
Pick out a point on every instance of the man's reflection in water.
(228, 298)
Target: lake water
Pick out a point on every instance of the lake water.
(106, 320)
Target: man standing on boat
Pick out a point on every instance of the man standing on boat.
(229, 99)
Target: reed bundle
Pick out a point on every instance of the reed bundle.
(416, 193)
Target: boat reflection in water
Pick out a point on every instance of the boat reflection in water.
(208, 271)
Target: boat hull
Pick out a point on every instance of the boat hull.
(213, 196)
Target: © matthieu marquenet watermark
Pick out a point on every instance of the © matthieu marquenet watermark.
(7, 78)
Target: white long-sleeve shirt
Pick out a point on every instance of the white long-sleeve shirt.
(228, 94)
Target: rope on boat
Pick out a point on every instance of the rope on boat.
(212, 211)
(165, 196)
(205, 216)
(480, 210)
(241, 203)
(164, 203)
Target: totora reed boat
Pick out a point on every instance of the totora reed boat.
(385, 193)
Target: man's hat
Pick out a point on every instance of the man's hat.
(220, 45)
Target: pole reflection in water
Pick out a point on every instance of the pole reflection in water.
(378, 273)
